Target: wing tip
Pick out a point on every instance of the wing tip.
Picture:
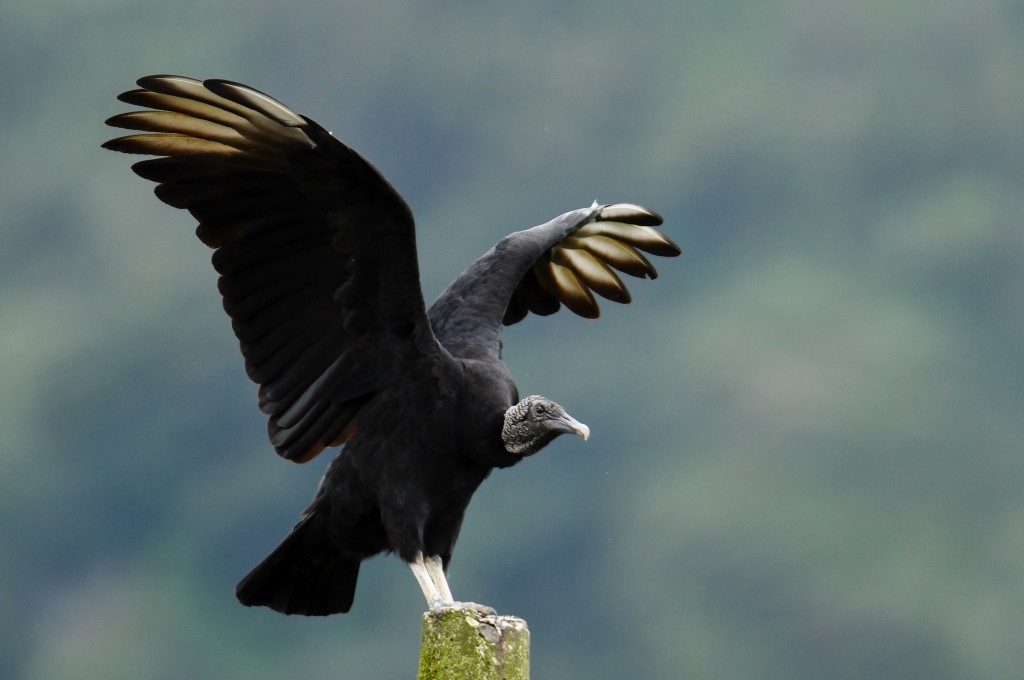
(254, 99)
(630, 213)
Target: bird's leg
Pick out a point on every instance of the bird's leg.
(435, 567)
(427, 585)
(429, 573)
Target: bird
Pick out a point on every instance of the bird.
(318, 272)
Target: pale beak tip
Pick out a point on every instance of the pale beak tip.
(583, 431)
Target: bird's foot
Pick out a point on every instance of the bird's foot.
(439, 606)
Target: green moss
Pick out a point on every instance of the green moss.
(464, 644)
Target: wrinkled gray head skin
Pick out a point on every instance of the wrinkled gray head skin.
(531, 424)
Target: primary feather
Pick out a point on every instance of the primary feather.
(318, 272)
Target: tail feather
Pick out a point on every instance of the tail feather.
(303, 575)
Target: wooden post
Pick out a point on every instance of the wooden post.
(462, 643)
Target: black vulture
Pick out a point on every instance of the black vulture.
(318, 271)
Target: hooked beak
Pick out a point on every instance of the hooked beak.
(574, 426)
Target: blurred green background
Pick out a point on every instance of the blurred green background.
(808, 433)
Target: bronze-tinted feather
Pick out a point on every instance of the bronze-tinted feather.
(582, 262)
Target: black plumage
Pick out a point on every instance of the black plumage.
(318, 272)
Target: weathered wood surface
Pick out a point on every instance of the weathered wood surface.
(468, 644)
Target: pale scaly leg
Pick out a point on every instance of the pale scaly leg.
(435, 567)
(427, 585)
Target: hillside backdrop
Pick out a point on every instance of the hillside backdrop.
(807, 457)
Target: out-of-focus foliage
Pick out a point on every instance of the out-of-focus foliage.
(808, 450)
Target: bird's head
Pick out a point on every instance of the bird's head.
(531, 424)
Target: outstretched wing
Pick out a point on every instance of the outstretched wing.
(538, 270)
(316, 251)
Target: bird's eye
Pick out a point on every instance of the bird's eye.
(539, 410)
